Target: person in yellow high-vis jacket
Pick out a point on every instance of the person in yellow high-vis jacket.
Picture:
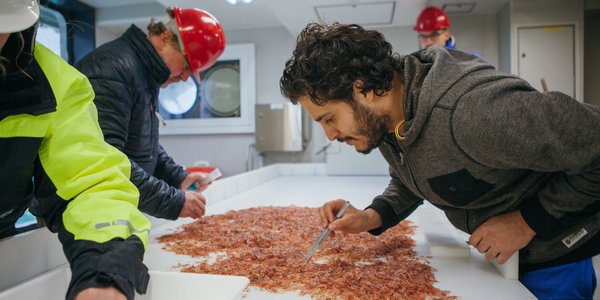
(49, 132)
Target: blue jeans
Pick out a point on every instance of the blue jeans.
(570, 281)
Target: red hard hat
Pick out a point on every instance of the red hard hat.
(432, 18)
(202, 36)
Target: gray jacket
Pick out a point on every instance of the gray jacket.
(481, 143)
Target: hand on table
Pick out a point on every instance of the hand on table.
(194, 205)
(501, 236)
(353, 220)
(104, 293)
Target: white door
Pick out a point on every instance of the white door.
(548, 53)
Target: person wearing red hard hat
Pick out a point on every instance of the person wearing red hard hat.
(127, 74)
(200, 36)
(433, 28)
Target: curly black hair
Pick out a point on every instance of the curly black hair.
(328, 59)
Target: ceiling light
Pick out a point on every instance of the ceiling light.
(237, 2)
(365, 14)
(459, 8)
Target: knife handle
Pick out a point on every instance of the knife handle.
(342, 210)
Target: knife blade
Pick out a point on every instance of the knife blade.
(321, 238)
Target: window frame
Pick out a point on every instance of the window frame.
(245, 54)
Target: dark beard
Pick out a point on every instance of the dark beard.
(370, 124)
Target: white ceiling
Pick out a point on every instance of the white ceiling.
(117, 15)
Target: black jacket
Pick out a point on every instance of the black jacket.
(126, 75)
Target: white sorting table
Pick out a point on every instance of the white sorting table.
(468, 277)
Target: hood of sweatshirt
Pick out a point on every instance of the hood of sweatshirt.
(428, 75)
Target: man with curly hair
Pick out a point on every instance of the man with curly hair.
(515, 168)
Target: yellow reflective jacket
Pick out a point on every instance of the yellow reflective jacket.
(49, 131)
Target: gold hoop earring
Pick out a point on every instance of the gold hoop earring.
(398, 136)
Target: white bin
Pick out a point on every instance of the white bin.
(53, 285)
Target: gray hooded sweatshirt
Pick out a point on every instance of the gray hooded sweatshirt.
(480, 143)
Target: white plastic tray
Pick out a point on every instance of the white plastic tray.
(53, 285)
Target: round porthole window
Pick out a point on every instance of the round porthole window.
(178, 98)
(220, 90)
